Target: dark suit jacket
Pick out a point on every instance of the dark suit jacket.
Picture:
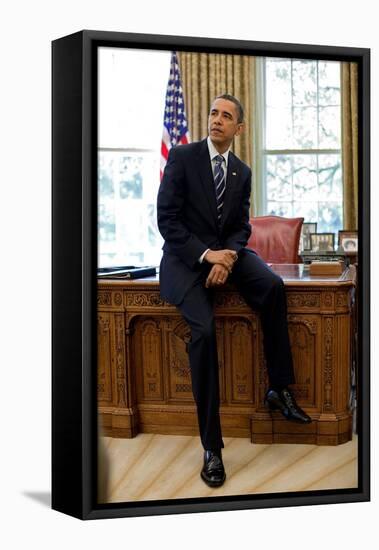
(187, 215)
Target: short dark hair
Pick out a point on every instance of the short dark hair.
(234, 100)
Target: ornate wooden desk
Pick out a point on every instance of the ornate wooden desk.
(144, 381)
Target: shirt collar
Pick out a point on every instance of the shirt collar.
(213, 151)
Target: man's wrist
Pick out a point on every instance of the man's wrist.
(201, 259)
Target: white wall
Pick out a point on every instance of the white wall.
(27, 29)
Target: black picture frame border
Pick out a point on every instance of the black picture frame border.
(74, 254)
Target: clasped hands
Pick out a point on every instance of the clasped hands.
(223, 261)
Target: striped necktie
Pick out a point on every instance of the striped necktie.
(219, 179)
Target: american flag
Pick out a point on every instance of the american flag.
(175, 130)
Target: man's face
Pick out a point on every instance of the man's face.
(223, 123)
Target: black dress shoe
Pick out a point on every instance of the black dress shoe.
(213, 472)
(285, 402)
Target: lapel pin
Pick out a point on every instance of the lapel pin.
(234, 173)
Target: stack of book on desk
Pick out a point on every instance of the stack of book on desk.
(330, 268)
(126, 272)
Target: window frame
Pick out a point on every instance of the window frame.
(117, 255)
(260, 153)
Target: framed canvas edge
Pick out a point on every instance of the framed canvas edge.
(83, 503)
(249, 47)
(67, 319)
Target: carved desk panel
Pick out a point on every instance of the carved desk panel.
(144, 380)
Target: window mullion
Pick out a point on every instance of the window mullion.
(317, 106)
(303, 151)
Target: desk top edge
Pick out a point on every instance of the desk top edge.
(347, 278)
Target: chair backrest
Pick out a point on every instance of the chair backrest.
(276, 239)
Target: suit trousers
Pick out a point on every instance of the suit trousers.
(264, 292)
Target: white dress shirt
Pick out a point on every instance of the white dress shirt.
(212, 154)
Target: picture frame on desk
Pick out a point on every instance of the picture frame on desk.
(348, 240)
(322, 242)
(91, 319)
(306, 230)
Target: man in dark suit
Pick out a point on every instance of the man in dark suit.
(203, 216)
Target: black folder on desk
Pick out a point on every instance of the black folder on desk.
(127, 272)
(103, 270)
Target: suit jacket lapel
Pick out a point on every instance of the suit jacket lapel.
(231, 186)
(206, 176)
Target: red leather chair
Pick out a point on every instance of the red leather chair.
(276, 239)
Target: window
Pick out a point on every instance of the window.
(300, 141)
(132, 86)
(297, 157)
